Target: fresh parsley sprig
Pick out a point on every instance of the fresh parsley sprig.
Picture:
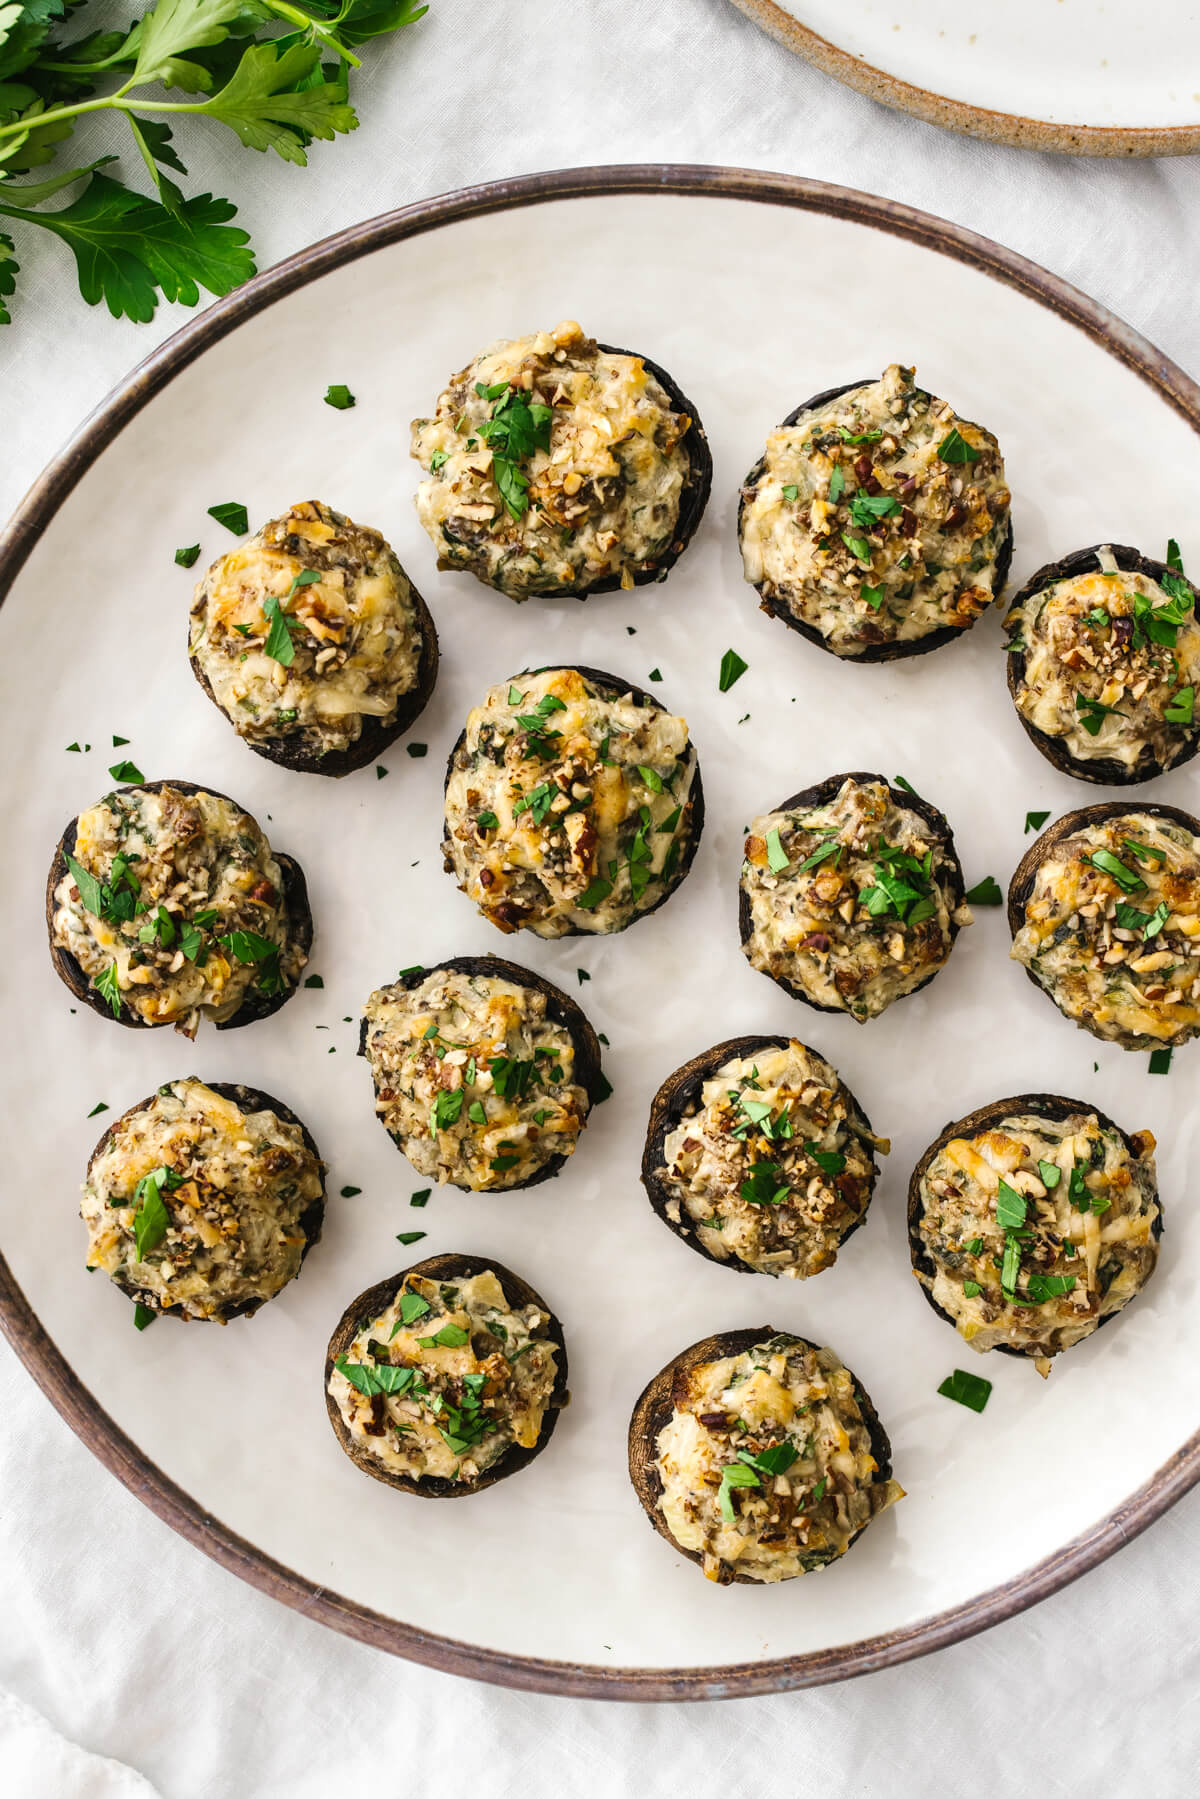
(274, 72)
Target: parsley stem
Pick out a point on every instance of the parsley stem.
(306, 22)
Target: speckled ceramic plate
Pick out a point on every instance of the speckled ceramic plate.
(749, 288)
(1088, 77)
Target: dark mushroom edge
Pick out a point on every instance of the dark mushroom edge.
(821, 794)
(376, 1299)
(679, 1095)
(249, 1099)
(655, 1407)
(561, 1009)
(691, 824)
(1103, 770)
(876, 652)
(1050, 1106)
(256, 1005)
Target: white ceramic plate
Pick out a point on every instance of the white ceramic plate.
(1097, 77)
(752, 291)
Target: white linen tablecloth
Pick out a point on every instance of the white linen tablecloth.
(122, 1640)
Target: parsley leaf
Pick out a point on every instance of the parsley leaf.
(279, 646)
(186, 557)
(126, 771)
(375, 1378)
(732, 669)
(108, 986)
(1034, 821)
(1126, 878)
(955, 448)
(736, 1474)
(967, 1389)
(1160, 1061)
(232, 514)
(765, 1185)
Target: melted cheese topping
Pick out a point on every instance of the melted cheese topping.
(602, 501)
(465, 1402)
(780, 1396)
(472, 1078)
(566, 810)
(884, 540)
(242, 1182)
(183, 876)
(858, 907)
(357, 646)
(1086, 1244)
(1096, 678)
(1119, 954)
(773, 1166)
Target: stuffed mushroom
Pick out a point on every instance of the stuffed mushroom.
(166, 905)
(1032, 1222)
(1103, 665)
(1104, 909)
(484, 1072)
(759, 1156)
(313, 642)
(561, 467)
(851, 894)
(203, 1201)
(573, 804)
(446, 1378)
(758, 1456)
(876, 523)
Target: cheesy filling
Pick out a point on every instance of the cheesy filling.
(878, 517)
(307, 629)
(1112, 662)
(766, 1463)
(472, 1078)
(853, 901)
(446, 1379)
(1038, 1229)
(567, 810)
(582, 486)
(213, 1197)
(180, 914)
(1112, 930)
(774, 1163)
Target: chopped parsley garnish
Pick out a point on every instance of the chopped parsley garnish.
(655, 674)
(651, 777)
(597, 890)
(249, 947)
(517, 427)
(488, 820)
(967, 1389)
(451, 1336)
(151, 1219)
(126, 771)
(973, 1246)
(857, 546)
(417, 749)
(410, 1236)
(765, 1185)
(899, 781)
(279, 646)
(420, 1197)
(412, 1307)
(1034, 821)
(1049, 1286)
(445, 1111)
(866, 509)
(1181, 711)
(536, 802)
(142, 1316)
(872, 595)
(1051, 1174)
(314, 980)
(732, 669)
(351, 1192)
(1125, 877)
(777, 857)
(232, 515)
(791, 491)
(1174, 559)
(859, 437)
(831, 847)
(375, 1378)
(100, 1106)
(108, 986)
(476, 1113)
(955, 448)
(829, 1161)
(776, 1459)
(1147, 924)
(438, 460)
(186, 556)
(972, 1289)
(1160, 624)
(1010, 1208)
(1160, 1061)
(338, 396)
(1092, 713)
(308, 577)
(837, 484)
(1143, 851)
(737, 1474)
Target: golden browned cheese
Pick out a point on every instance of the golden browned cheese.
(193, 915)
(792, 1408)
(452, 1408)
(1115, 942)
(1038, 1230)
(235, 1185)
(1111, 666)
(473, 1078)
(826, 889)
(565, 809)
(597, 499)
(351, 626)
(774, 1165)
(878, 517)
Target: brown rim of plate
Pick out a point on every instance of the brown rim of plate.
(1025, 873)
(959, 115)
(449, 1267)
(693, 498)
(561, 1009)
(1051, 1106)
(820, 795)
(286, 751)
(310, 1221)
(653, 1412)
(895, 650)
(1104, 770)
(255, 1005)
(680, 1091)
(78, 1406)
(611, 687)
